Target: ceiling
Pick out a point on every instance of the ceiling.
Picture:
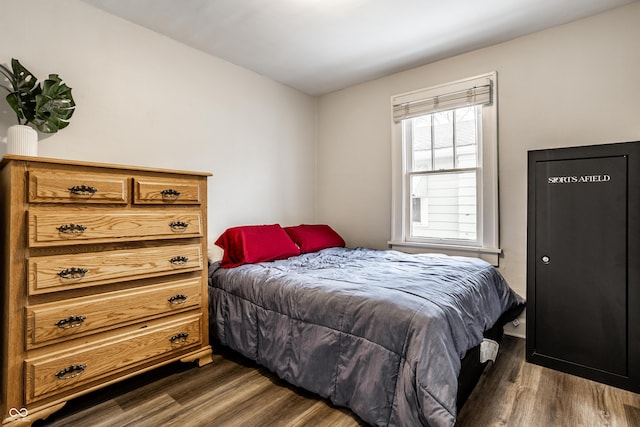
(319, 46)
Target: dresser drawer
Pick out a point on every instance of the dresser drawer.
(69, 226)
(80, 316)
(47, 186)
(166, 191)
(77, 366)
(71, 271)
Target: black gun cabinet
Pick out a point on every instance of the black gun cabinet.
(583, 262)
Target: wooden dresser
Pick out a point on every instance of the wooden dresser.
(104, 276)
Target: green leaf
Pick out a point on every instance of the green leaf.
(25, 81)
(54, 105)
(14, 103)
(22, 99)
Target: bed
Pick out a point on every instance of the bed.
(379, 331)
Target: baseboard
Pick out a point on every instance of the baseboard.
(516, 331)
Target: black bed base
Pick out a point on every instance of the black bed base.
(471, 369)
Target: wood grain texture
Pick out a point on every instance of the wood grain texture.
(107, 357)
(235, 392)
(84, 164)
(185, 191)
(55, 186)
(515, 393)
(138, 247)
(108, 225)
(111, 266)
(46, 322)
(231, 391)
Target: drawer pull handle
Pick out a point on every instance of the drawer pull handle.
(71, 322)
(178, 299)
(179, 338)
(83, 190)
(71, 229)
(179, 260)
(178, 226)
(71, 372)
(170, 194)
(73, 273)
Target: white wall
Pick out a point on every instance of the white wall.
(146, 100)
(143, 99)
(576, 84)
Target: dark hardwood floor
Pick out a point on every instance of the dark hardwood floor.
(235, 392)
(515, 393)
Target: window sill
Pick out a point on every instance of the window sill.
(490, 255)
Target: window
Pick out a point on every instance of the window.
(442, 169)
(445, 169)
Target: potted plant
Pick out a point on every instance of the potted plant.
(47, 107)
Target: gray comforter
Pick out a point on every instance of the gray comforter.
(381, 332)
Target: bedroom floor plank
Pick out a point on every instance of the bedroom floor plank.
(233, 392)
(518, 394)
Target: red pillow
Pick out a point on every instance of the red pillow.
(255, 243)
(313, 237)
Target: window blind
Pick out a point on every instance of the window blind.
(475, 95)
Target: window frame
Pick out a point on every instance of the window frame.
(486, 245)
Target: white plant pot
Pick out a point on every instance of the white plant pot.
(22, 140)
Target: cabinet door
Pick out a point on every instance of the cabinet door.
(580, 261)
